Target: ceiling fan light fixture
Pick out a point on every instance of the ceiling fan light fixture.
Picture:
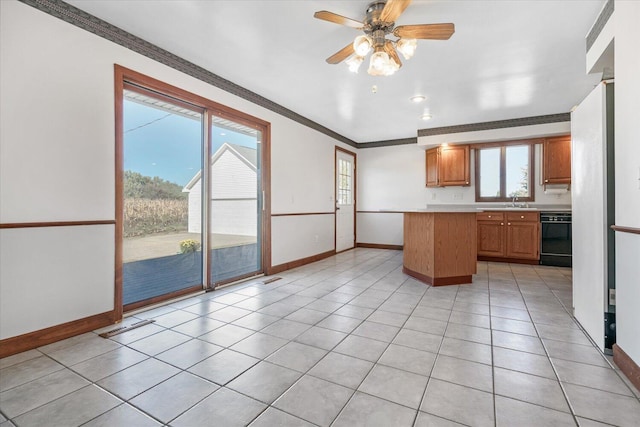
(391, 67)
(362, 45)
(407, 47)
(354, 63)
(379, 64)
(426, 117)
(417, 99)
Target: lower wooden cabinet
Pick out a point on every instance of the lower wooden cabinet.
(508, 236)
(491, 240)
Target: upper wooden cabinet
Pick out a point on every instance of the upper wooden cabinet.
(447, 166)
(432, 167)
(556, 154)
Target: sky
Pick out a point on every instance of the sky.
(158, 143)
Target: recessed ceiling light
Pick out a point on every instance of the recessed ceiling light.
(426, 117)
(417, 99)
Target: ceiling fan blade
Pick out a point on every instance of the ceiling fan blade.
(393, 9)
(425, 31)
(341, 55)
(338, 19)
(391, 51)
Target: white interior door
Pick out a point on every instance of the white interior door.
(588, 200)
(345, 200)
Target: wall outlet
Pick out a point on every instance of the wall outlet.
(316, 238)
(457, 196)
(433, 195)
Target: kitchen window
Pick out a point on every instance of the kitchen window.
(505, 172)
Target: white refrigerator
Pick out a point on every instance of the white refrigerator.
(592, 199)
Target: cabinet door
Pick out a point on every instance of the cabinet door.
(491, 238)
(523, 240)
(454, 165)
(557, 160)
(432, 167)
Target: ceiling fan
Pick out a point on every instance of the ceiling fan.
(379, 21)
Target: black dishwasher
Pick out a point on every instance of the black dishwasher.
(555, 245)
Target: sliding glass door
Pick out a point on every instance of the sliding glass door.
(235, 193)
(162, 151)
(190, 192)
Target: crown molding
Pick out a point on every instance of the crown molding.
(388, 143)
(499, 124)
(88, 22)
(97, 26)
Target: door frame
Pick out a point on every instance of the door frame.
(124, 76)
(335, 196)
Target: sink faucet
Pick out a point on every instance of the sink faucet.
(514, 200)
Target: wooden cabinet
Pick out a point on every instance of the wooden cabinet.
(491, 241)
(448, 166)
(556, 153)
(512, 236)
(432, 167)
(440, 247)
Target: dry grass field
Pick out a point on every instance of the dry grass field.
(143, 217)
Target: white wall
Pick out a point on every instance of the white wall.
(393, 178)
(231, 178)
(195, 208)
(237, 217)
(627, 163)
(57, 157)
(54, 275)
(311, 238)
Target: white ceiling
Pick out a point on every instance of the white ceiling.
(507, 59)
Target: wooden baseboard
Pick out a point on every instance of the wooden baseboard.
(626, 364)
(378, 246)
(438, 281)
(299, 262)
(35, 339)
(510, 260)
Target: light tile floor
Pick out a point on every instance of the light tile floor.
(346, 341)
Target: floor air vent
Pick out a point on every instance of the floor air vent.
(123, 329)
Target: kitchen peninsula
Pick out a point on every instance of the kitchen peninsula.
(440, 245)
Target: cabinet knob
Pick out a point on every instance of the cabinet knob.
(546, 180)
(488, 216)
(522, 216)
(508, 223)
(502, 223)
(466, 182)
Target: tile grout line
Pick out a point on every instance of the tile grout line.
(493, 366)
(322, 358)
(429, 377)
(564, 392)
(349, 334)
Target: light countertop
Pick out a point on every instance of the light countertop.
(475, 208)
